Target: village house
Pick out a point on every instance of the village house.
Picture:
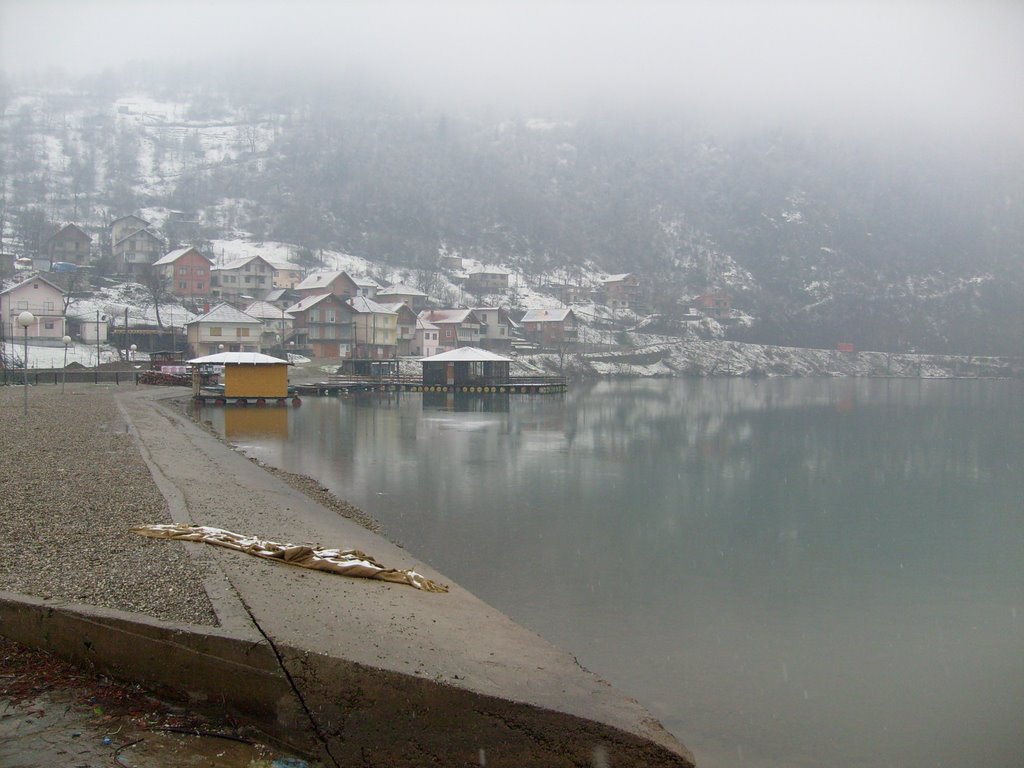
(186, 271)
(716, 304)
(242, 280)
(286, 275)
(44, 299)
(496, 328)
(456, 327)
(425, 342)
(468, 366)
(482, 280)
(550, 327)
(70, 244)
(621, 291)
(282, 298)
(124, 226)
(367, 286)
(417, 300)
(451, 263)
(277, 324)
(338, 283)
(406, 325)
(568, 294)
(135, 253)
(376, 330)
(224, 329)
(324, 325)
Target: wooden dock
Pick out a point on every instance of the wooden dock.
(345, 385)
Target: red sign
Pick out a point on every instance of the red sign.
(845, 347)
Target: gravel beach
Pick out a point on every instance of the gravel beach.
(72, 484)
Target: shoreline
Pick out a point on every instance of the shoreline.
(351, 670)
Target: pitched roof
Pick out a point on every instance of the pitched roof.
(129, 216)
(363, 305)
(320, 280)
(264, 310)
(225, 313)
(239, 358)
(399, 289)
(552, 315)
(366, 282)
(174, 255)
(239, 263)
(425, 325)
(71, 229)
(306, 302)
(29, 280)
(146, 232)
(465, 354)
(483, 270)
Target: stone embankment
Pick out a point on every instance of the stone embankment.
(730, 358)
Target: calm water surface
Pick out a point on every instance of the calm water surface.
(785, 572)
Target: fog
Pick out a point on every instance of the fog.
(955, 66)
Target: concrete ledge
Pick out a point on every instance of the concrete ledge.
(340, 711)
(206, 665)
(382, 719)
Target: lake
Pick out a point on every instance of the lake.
(784, 572)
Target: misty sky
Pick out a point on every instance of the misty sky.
(954, 66)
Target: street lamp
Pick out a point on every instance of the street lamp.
(132, 349)
(64, 373)
(25, 319)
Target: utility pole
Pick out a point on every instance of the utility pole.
(97, 338)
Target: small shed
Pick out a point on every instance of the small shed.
(465, 366)
(247, 374)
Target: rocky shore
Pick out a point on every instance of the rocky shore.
(73, 485)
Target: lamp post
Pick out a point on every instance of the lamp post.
(25, 319)
(131, 351)
(64, 372)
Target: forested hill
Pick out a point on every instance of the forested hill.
(819, 238)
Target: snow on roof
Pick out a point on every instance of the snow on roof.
(366, 282)
(400, 289)
(225, 313)
(320, 279)
(239, 358)
(466, 354)
(546, 315)
(309, 301)
(239, 263)
(363, 305)
(424, 325)
(617, 278)
(264, 310)
(482, 270)
(174, 255)
(395, 306)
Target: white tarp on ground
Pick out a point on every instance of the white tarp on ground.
(347, 562)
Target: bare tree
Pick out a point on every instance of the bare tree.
(157, 287)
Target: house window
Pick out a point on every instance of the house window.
(48, 326)
(182, 270)
(240, 332)
(182, 286)
(199, 286)
(48, 306)
(447, 333)
(22, 305)
(215, 331)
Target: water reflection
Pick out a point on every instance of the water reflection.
(801, 572)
